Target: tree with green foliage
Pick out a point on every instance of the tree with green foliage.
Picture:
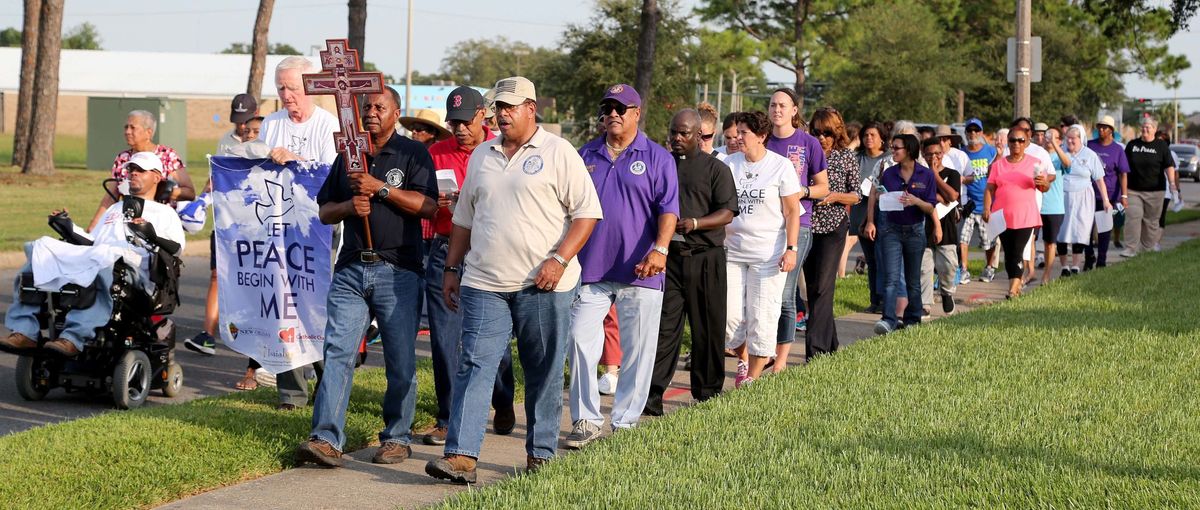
(603, 51)
(483, 62)
(899, 72)
(1138, 30)
(724, 54)
(82, 37)
(240, 48)
(793, 33)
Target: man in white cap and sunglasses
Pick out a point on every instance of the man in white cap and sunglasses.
(111, 240)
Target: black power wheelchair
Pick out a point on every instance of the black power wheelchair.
(130, 356)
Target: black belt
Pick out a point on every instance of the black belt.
(687, 250)
(369, 257)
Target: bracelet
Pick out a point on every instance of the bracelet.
(696, 223)
(560, 260)
(450, 269)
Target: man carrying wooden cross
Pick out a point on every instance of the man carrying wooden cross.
(378, 273)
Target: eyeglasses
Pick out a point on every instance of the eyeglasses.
(707, 136)
(931, 155)
(607, 108)
(1017, 140)
(897, 148)
(507, 108)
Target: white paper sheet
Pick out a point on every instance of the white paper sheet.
(1104, 221)
(865, 187)
(890, 201)
(944, 209)
(447, 182)
(996, 224)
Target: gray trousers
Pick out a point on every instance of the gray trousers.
(943, 259)
(1141, 220)
(293, 387)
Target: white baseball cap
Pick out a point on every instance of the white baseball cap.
(145, 161)
(515, 90)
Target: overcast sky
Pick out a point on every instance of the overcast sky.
(209, 26)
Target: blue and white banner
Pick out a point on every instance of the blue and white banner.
(273, 260)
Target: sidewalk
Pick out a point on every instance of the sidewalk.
(362, 485)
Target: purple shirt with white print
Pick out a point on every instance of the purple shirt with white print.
(804, 151)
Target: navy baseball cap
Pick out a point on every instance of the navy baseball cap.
(462, 103)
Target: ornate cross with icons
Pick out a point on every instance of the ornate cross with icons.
(342, 79)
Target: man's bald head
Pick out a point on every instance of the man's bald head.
(684, 135)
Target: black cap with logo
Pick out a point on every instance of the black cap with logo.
(242, 109)
(462, 103)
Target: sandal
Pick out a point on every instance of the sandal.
(246, 384)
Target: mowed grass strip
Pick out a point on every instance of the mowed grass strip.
(26, 201)
(152, 455)
(1082, 394)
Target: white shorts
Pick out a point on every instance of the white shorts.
(753, 302)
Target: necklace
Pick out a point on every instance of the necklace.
(616, 152)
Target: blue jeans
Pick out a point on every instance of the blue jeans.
(80, 325)
(445, 331)
(358, 292)
(787, 317)
(903, 247)
(542, 324)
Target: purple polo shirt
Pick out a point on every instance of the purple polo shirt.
(923, 185)
(804, 151)
(1113, 158)
(634, 191)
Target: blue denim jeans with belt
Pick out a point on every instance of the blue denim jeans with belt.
(902, 247)
(392, 295)
(541, 322)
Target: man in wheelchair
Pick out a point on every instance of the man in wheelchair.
(127, 233)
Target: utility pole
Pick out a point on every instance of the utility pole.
(408, 66)
(1024, 59)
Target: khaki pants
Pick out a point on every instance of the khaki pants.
(1142, 232)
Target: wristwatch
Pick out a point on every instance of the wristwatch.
(383, 192)
(561, 260)
(661, 249)
(792, 247)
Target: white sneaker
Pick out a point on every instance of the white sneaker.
(264, 378)
(608, 383)
(1157, 247)
(1127, 253)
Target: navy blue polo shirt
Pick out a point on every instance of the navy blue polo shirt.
(405, 165)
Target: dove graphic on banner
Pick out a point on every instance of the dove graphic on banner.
(273, 260)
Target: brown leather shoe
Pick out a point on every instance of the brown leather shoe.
(319, 452)
(18, 341)
(456, 468)
(504, 421)
(532, 464)
(64, 347)
(392, 453)
(435, 436)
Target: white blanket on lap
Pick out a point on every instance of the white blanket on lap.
(57, 263)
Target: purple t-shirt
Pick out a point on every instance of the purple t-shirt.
(634, 191)
(1113, 158)
(923, 185)
(804, 151)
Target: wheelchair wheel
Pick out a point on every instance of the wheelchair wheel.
(174, 381)
(27, 383)
(131, 380)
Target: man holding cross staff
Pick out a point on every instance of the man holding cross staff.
(388, 182)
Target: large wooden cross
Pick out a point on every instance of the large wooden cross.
(343, 80)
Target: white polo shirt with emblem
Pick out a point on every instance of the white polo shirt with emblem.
(519, 211)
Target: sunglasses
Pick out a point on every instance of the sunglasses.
(974, 130)
(607, 108)
(1017, 140)
(707, 136)
(418, 128)
(827, 133)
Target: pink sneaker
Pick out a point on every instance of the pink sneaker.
(743, 374)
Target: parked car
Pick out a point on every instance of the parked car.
(1188, 157)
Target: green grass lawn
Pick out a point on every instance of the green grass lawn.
(29, 199)
(1081, 394)
(152, 455)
